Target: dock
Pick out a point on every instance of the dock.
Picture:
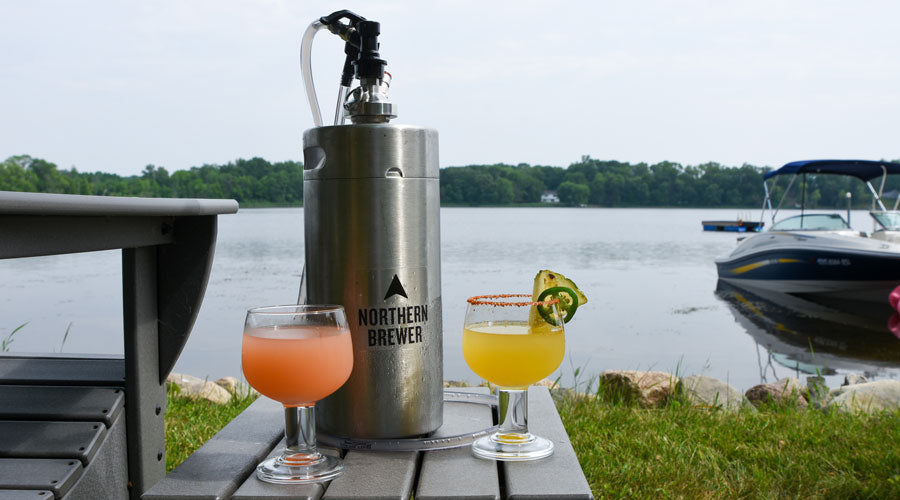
(736, 226)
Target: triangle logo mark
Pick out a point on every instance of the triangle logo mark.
(396, 288)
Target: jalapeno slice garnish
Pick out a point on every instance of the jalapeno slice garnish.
(568, 303)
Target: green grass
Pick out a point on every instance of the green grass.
(683, 452)
(192, 422)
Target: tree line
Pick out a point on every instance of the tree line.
(589, 181)
(253, 181)
(666, 184)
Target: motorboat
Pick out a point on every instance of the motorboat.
(819, 253)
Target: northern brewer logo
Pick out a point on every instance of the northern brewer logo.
(393, 326)
(396, 288)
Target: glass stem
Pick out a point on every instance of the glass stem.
(300, 430)
(513, 411)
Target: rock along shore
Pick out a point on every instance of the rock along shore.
(220, 391)
(653, 389)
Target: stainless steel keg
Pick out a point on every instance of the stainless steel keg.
(372, 227)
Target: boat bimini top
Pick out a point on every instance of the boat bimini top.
(864, 170)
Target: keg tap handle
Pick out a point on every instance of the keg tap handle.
(361, 47)
(369, 102)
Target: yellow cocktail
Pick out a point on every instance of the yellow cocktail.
(512, 354)
(513, 341)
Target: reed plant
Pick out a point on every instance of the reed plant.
(7, 341)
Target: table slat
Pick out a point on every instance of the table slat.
(375, 475)
(254, 489)
(34, 402)
(36, 439)
(217, 469)
(456, 473)
(557, 476)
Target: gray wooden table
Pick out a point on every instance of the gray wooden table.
(223, 468)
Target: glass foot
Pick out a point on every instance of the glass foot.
(299, 468)
(512, 447)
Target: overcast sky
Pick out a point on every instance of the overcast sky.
(117, 85)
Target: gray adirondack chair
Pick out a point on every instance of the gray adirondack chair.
(77, 427)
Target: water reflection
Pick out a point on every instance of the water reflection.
(816, 336)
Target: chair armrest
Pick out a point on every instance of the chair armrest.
(12, 202)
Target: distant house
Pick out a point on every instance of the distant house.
(549, 197)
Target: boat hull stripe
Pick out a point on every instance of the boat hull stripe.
(758, 264)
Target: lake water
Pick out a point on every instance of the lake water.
(648, 273)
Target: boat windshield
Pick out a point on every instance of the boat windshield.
(812, 222)
(888, 220)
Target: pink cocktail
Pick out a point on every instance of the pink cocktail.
(297, 355)
(297, 365)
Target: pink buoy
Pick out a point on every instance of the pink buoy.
(894, 297)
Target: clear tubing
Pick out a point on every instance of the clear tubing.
(306, 70)
(425, 443)
(339, 108)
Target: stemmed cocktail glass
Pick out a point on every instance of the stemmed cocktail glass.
(513, 342)
(297, 355)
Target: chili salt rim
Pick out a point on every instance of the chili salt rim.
(478, 300)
